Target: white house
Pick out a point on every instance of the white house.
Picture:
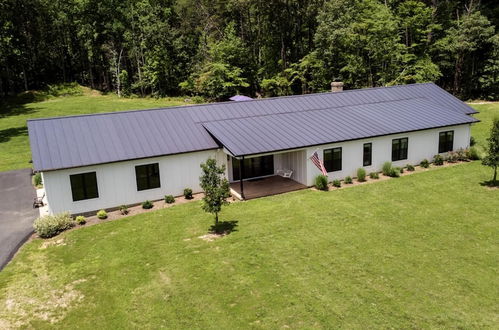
(102, 161)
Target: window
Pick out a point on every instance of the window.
(147, 176)
(84, 186)
(253, 167)
(399, 149)
(445, 141)
(368, 148)
(332, 159)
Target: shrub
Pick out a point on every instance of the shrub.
(472, 141)
(472, 153)
(80, 220)
(147, 205)
(188, 193)
(394, 172)
(374, 175)
(452, 157)
(169, 199)
(348, 180)
(321, 182)
(337, 183)
(387, 168)
(124, 209)
(102, 214)
(37, 179)
(361, 175)
(438, 160)
(401, 169)
(461, 155)
(425, 163)
(410, 167)
(51, 225)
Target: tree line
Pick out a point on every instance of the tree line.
(218, 48)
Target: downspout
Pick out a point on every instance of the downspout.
(241, 174)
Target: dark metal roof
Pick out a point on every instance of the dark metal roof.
(269, 133)
(75, 141)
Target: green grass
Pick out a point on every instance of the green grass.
(482, 130)
(14, 143)
(370, 256)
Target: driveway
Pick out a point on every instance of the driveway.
(16, 212)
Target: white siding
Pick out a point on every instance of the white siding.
(117, 184)
(422, 144)
(293, 161)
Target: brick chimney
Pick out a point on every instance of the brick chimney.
(336, 86)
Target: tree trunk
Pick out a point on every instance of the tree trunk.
(216, 219)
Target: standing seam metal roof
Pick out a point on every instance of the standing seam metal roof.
(244, 128)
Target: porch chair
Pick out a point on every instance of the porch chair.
(285, 173)
(38, 201)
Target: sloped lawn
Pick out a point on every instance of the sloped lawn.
(415, 252)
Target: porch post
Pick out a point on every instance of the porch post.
(241, 174)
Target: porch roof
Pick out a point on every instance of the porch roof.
(277, 132)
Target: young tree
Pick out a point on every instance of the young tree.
(492, 158)
(215, 187)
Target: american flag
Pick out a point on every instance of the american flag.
(317, 162)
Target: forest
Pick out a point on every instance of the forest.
(218, 48)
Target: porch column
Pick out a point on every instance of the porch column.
(241, 175)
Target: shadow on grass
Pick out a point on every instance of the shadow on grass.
(8, 133)
(224, 227)
(490, 184)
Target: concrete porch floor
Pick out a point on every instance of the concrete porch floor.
(273, 185)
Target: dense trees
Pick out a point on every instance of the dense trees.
(217, 48)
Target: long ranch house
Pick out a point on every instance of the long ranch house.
(102, 161)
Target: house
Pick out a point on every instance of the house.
(102, 161)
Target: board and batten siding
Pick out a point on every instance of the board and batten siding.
(117, 182)
(422, 144)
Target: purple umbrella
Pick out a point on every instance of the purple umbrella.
(238, 98)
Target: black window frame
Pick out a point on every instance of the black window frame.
(330, 163)
(367, 161)
(400, 153)
(84, 180)
(150, 182)
(447, 144)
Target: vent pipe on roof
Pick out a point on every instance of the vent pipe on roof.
(336, 86)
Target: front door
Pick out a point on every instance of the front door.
(253, 167)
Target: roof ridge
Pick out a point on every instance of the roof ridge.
(311, 110)
(226, 103)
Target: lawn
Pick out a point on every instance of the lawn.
(420, 251)
(14, 144)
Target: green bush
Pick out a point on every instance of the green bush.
(321, 182)
(386, 168)
(188, 193)
(361, 175)
(438, 160)
(472, 141)
(81, 220)
(462, 155)
(37, 179)
(337, 183)
(452, 157)
(51, 225)
(425, 163)
(394, 172)
(472, 153)
(400, 169)
(102, 214)
(348, 180)
(124, 209)
(410, 167)
(169, 199)
(374, 175)
(147, 205)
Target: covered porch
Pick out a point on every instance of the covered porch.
(261, 187)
